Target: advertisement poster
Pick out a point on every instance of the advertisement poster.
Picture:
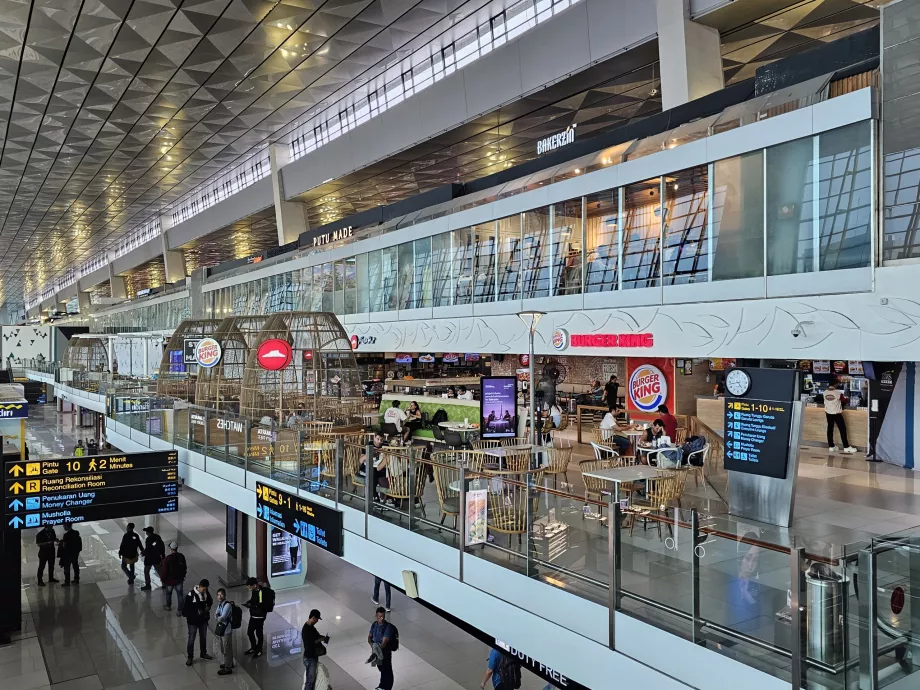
(821, 366)
(287, 554)
(840, 367)
(855, 368)
(426, 359)
(450, 358)
(476, 511)
(522, 374)
(721, 363)
(499, 406)
(649, 383)
(404, 359)
(471, 357)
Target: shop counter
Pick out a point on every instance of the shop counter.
(457, 410)
(711, 412)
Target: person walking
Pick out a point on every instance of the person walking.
(313, 649)
(504, 671)
(45, 540)
(382, 639)
(69, 554)
(833, 410)
(172, 573)
(224, 632)
(260, 604)
(154, 553)
(611, 393)
(197, 611)
(386, 591)
(130, 548)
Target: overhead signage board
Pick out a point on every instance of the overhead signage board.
(556, 141)
(188, 350)
(315, 523)
(15, 410)
(757, 436)
(69, 490)
(562, 339)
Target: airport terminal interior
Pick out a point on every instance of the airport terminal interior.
(458, 344)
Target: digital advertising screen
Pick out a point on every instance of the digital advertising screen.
(498, 410)
(757, 436)
(287, 553)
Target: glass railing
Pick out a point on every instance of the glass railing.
(794, 608)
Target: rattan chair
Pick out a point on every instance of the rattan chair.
(508, 496)
(402, 487)
(511, 442)
(351, 462)
(680, 436)
(482, 444)
(661, 493)
(517, 459)
(323, 458)
(595, 489)
(557, 462)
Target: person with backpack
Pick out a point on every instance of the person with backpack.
(130, 548)
(313, 648)
(154, 552)
(172, 572)
(79, 450)
(45, 541)
(197, 610)
(69, 550)
(224, 631)
(261, 603)
(504, 671)
(383, 638)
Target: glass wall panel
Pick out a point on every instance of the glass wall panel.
(350, 271)
(790, 208)
(509, 257)
(328, 288)
(317, 292)
(374, 274)
(535, 270)
(686, 250)
(338, 286)
(602, 239)
(642, 234)
(297, 288)
(567, 247)
(845, 201)
(442, 271)
(363, 293)
(422, 283)
(406, 272)
(484, 262)
(737, 217)
(389, 273)
(463, 265)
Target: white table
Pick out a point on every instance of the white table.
(624, 475)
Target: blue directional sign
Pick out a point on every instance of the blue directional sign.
(314, 522)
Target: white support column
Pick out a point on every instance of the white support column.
(117, 284)
(290, 216)
(173, 259)
(84, 302)
(690, 55)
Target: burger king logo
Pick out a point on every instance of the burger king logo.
(560, 338)
(207, 352)
(648, 388)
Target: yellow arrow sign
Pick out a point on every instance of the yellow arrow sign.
(16, 470)
(259, 491)
(16, 488)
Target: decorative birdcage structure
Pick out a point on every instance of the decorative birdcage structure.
(176, 379)
(88, 355)
(321, 383)
(220, 386)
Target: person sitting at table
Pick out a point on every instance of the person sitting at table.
(395, 416)
(507, 416)
(653, 434)
(669, 421)
(379, 475)
(413, 421)
(452, 392)
(609, 432)
(464, 394)
(655, 437)
(297, 416)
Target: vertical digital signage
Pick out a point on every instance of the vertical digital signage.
(757, 436)
(498, 408)
(287, 554)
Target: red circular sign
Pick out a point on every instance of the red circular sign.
(354, 342)
(274, 354)
(897, 600)
(524, 360)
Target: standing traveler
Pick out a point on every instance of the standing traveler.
(386, 591)
(154, 553)
(173, 573)
(504, 671)
(384, 640)
(79, 450)
(197, 610)
(261, 603)
(69, 553)
(224, 632)
(130, 548)
(833, 410)
(92, 447)
(611, 393)
(313, 649)
(45, 540)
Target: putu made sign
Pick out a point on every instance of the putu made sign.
(556, 141)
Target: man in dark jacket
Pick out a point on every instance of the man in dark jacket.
(130, 548)
(154, 552)
(173, 573)
(197, 610)
(69, 552)
(261, 601)
(46, 539)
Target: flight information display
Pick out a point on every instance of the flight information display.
(757, 436)
(315, 523)
(70, 490)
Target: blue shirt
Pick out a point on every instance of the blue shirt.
(378, 632)
(495, 660)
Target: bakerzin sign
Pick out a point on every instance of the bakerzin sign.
(69, 490)
(313, 522)
(551, 143)
(332, 236)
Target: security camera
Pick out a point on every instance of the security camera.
(799, 328)
(796, 332)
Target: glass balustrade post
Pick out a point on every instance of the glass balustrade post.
(247, 427)
(411, 491)
(868, 629)
(694, 574)
(462, 521)
(339, 463)
(368, 484)
(530, 493)
(188, 427)
(613, 568)
(797, 609)
(302, 473)
(207, 437)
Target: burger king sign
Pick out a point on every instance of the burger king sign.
(650, 384)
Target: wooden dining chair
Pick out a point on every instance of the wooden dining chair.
(402, 486)
(517, 459)
(681, 436)
(446, 475)
(596, 489)
(508, 496)
(661, 492)
(482, 444)
(511, 442)
(557, 462)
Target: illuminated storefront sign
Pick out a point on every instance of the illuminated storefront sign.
(333, 236)
(551, 143)
(563, 339)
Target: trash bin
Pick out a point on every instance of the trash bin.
(825, 593)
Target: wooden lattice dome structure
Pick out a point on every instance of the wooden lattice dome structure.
(221, 385)
(176, 379)
(88, 355)
(323, 375)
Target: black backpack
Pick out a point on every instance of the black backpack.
(268, 599)
(438, 417)
(394, 637)
(236, 616)
(509, 671)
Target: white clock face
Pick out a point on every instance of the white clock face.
(737, 382)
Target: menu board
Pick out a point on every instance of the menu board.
(757, 436)
(313, 522)
(498, 395)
